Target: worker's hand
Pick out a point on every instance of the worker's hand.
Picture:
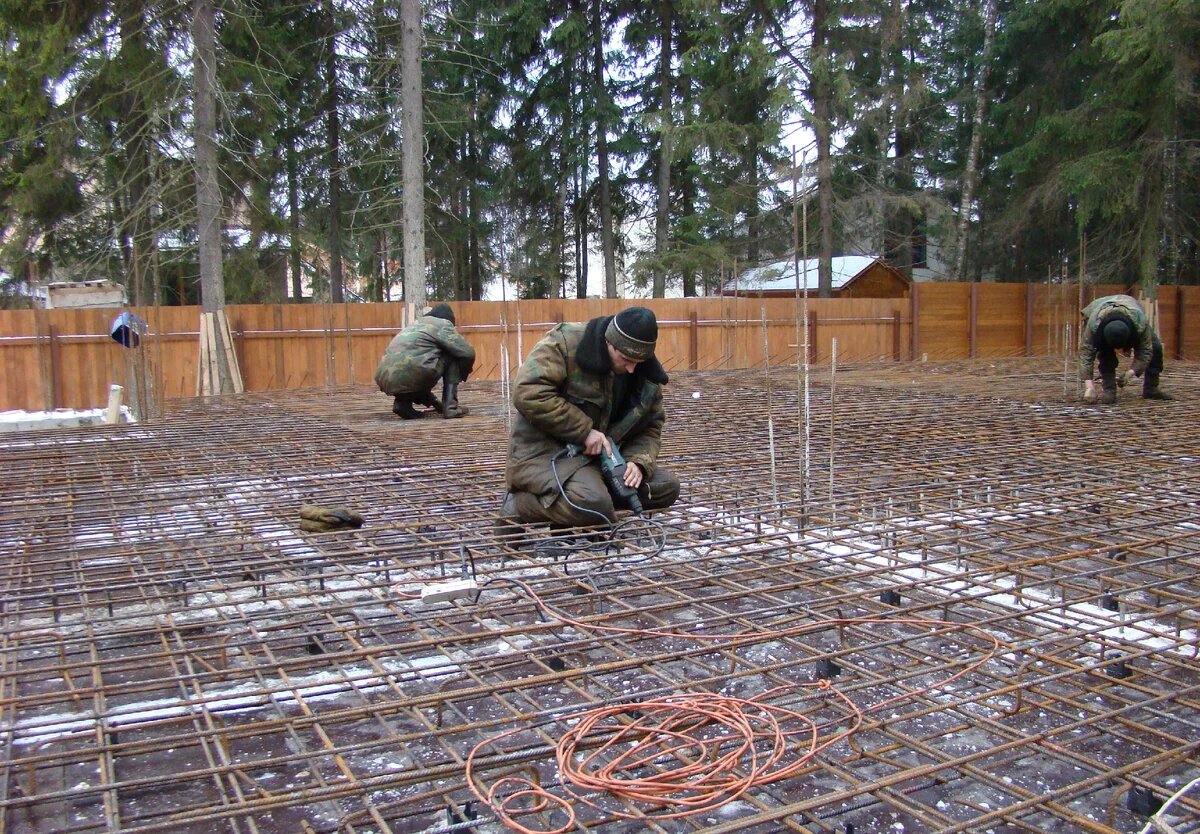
(1123, 378)
(595, 443)
(1089, 392)
(633, 475)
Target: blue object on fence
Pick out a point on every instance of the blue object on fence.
(128, 329)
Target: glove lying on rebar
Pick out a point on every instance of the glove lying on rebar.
(315, 519)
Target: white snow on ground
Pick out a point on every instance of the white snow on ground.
(63, 415)
(62, 418)
(238, 698)
(906, 566)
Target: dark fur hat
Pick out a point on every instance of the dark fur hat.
(442, 311)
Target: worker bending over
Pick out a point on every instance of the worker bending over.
(428, 350)
(1112, 323)
(587, 384)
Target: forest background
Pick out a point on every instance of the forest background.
(678, 140)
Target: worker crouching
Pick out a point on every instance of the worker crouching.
(591, 385)
(1110, 324)
(427, 351)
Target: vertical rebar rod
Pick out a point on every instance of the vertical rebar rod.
(832, 425)
(770, 414)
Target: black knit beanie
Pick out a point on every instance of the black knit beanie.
(1118, 332)
(442, 311)
(634, 332)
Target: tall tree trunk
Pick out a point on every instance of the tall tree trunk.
(558, 226)
(476, 268)
(579, 180)
(1150, 227)
(663, 205)
(208, 201)
(293, 194)
(753, 216)
(822, 118)
(136, 136)
(117, 198)
(457, 244)
(892, 78)
(606, 222)
(208, 193)
(687, 208)
(378, 264)
(335, 174)
(384, 95)
(412, 128)
(970, 173)
(901, 227)
(684, 183)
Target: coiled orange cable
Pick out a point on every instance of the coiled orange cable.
(724, 746)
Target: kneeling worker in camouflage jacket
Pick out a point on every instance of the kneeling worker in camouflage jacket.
(1112, 323)
(428, 350)
(586, 384)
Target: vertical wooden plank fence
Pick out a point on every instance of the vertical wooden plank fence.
(66, 359)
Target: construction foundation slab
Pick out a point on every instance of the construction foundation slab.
(895, 598)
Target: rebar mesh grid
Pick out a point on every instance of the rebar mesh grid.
(178, 656)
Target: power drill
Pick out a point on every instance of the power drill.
(612, 468)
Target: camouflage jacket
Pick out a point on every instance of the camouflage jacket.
(1095, 313)
(563, 390)
(417, 357)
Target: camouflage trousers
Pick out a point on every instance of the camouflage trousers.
(592, 502)
(397, 381)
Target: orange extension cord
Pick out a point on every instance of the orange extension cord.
(726, 746)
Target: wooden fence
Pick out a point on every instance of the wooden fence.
(67, 359)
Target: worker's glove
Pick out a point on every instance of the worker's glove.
(315, 519)
(1123, 378)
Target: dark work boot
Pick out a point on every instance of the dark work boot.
(1151, 391)
(1109, 381)
(428, 399)
(450, 406)
(508, 522)
(402, 407)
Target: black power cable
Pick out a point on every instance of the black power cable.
(632, 522)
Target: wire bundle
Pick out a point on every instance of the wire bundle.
(723, 746)
(689, 753)
(507, 807)
(685, 753)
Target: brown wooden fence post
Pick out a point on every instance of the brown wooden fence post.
(1180, 305)
(45, 372)
(349, 344)
(973, 318)
(280, 379)
(693, 343)
(896, 335)
(812, 337)
(1028, 319)
(915, 298)
(55, 366)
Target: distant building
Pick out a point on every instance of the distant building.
(95, 293)
(854, 276)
